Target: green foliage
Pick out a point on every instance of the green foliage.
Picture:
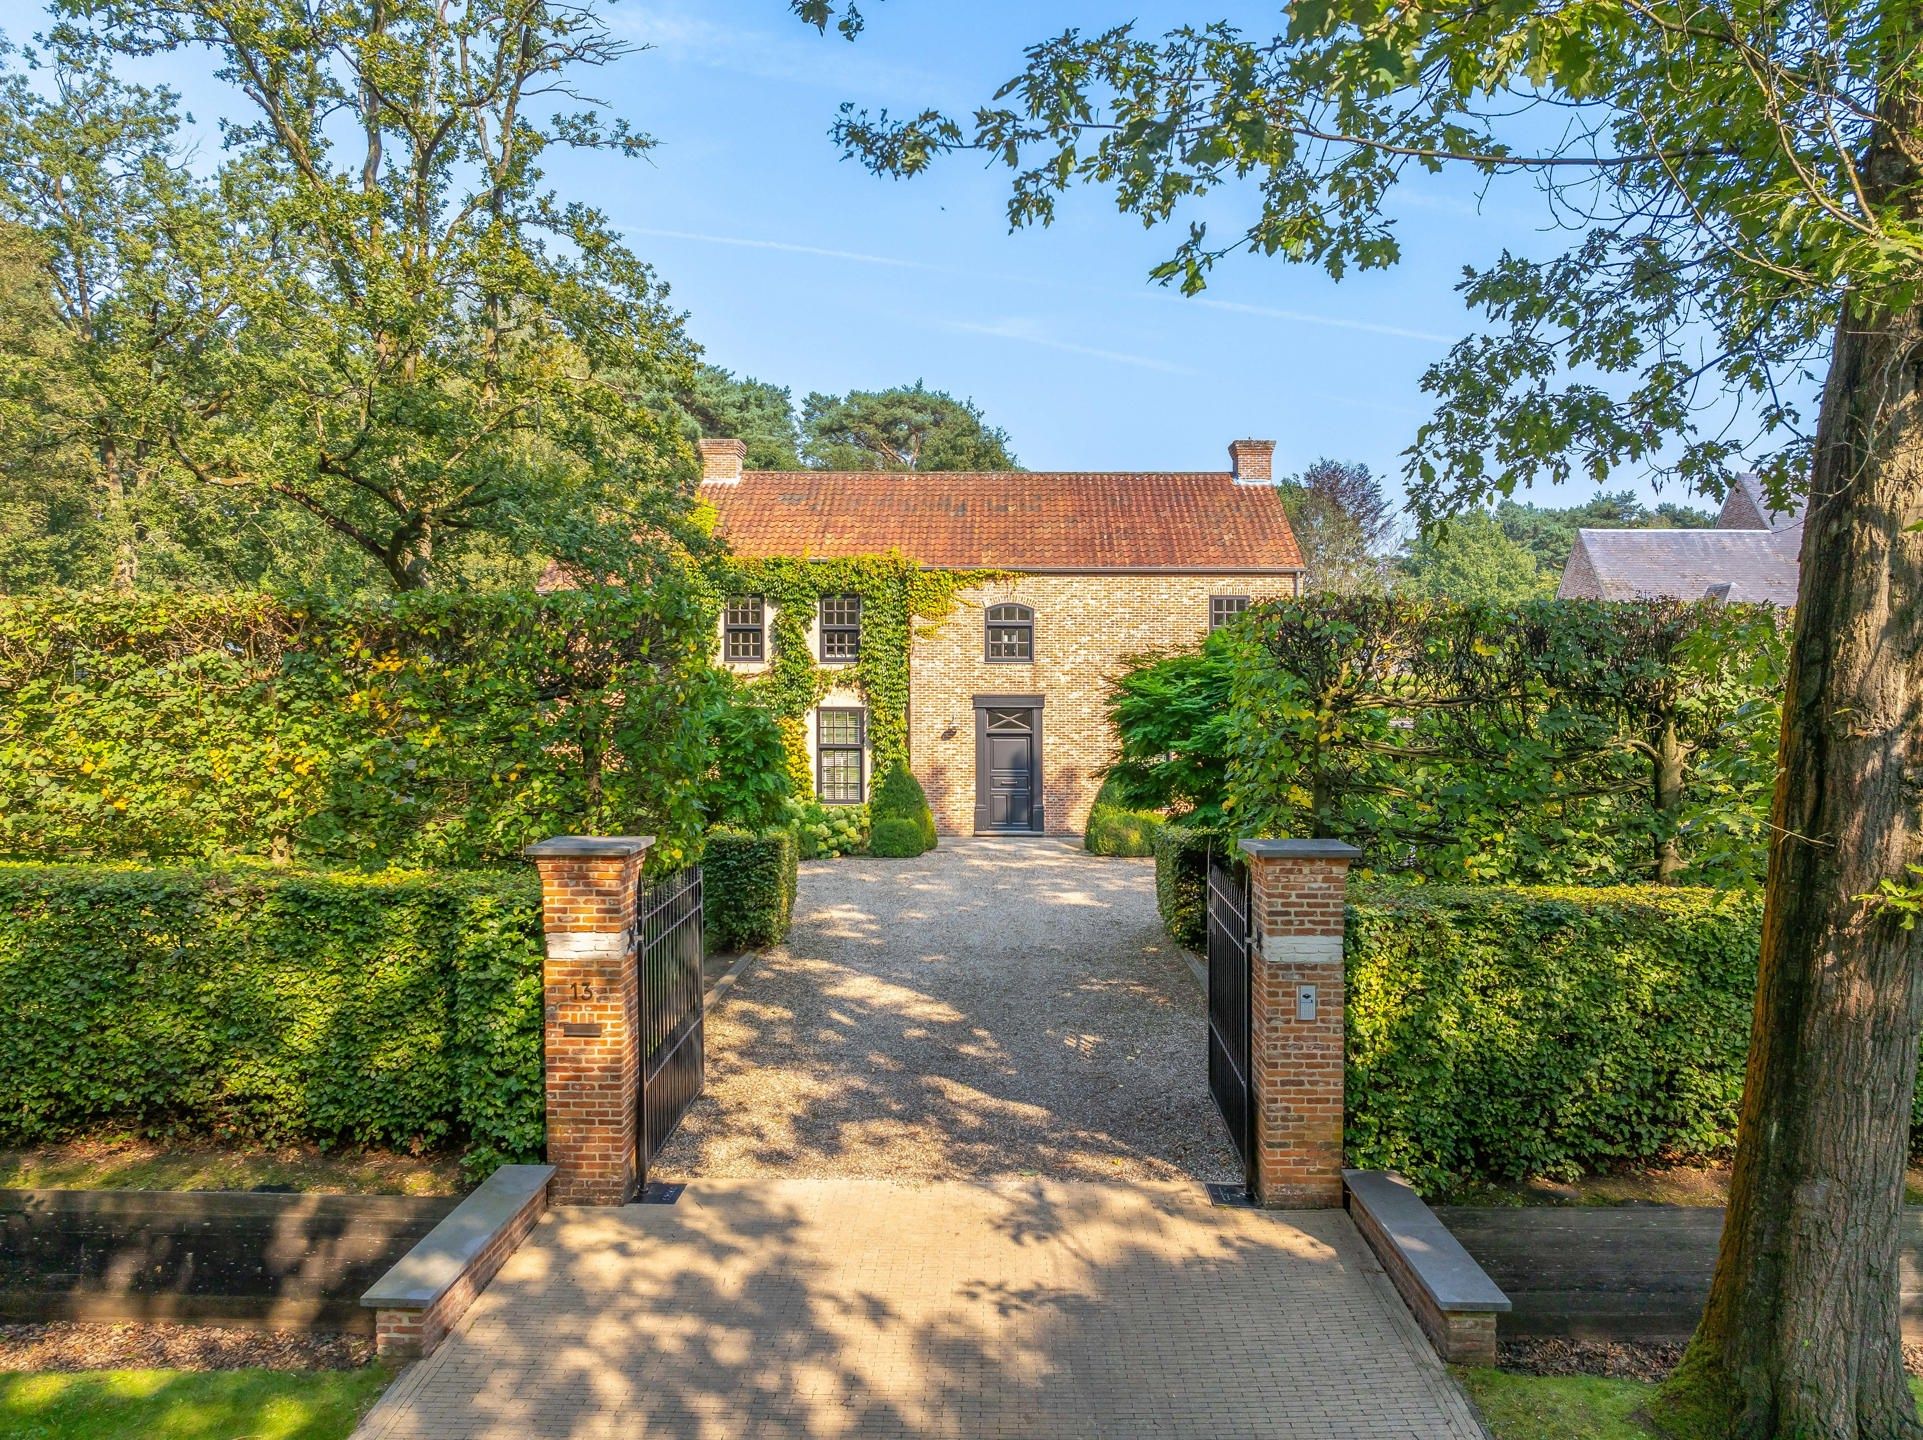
(825, 832)
(395, 1008)
(748, 783)
(759, 414)
(1115, 829)
(1342, 523)
(748, 888)
(897, 837)
(907, 428)
(1499, 1033)
(1182, 881)
(895, 593)
(371, 313)
(899, 796)
(1469, 560)
(422, 729)
(1554, 741)
(1171, 715)
(1549, 532)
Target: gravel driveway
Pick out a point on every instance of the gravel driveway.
(994, 1008)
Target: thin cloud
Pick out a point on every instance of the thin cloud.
(744, 242)
(1333, 322)
(795, 57)
(1027, 332)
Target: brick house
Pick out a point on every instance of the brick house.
(1007, 721)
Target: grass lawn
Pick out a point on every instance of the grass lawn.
(1564, 1407)
(123, 1162)
(188, 1404)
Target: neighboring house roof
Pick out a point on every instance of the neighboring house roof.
(1751, 556)
(1011, 520)
(1746, 507)
(1756, 565)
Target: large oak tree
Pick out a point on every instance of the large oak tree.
(1741, 179)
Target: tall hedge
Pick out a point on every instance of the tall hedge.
(1503, 1032)
(421, 729)
(394, 1008)
(1182, 881)
(748, 888)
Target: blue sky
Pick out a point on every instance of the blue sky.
(797, 267)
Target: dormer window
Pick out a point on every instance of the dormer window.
(840, 627)
(744, 630)
(1010, 634)
(1224, 608)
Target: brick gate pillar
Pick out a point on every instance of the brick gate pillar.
(590, 1005)
(1297, 891)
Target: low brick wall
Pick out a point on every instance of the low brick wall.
(297, 1261)
(421, 1299)
(1452, 1299)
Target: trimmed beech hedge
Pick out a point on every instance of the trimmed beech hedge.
(1182, 882)
(1503, 1032)
(395, 1008)
(748, 888)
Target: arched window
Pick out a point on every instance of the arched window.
(1010, 633)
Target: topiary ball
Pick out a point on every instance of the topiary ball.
(897, 838)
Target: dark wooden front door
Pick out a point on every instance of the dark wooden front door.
(1011, 786)
(1007, 769)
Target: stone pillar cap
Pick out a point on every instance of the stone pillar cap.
(588, 847)
(1300, 850)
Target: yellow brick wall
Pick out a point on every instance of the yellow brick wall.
(1086, 626)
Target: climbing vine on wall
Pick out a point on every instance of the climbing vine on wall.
(896, 594)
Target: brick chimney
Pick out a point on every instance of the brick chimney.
(722, 460)
(1252, 462)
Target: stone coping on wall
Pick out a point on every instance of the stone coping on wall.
(418, 1301)
(588, 847)
(1450, 1295)
(1299, 850)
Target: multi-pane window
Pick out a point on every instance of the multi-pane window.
(840, 627)
(744, 629)
(838, 756)
(1224, 608)
(1011, 632)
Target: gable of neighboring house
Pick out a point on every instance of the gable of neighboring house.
(1007, 717)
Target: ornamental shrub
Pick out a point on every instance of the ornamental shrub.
(899, 796)
(1114, 829)
(1182, 881)
(395, 1008)
(421, 729)
(896, 838)
(748, 888)
(1503, 1032)
(827, 831)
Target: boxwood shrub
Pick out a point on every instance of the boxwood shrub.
(1500, 1032)
(748, 888)
(1114, 829)
(899, 797)
(394, 1008)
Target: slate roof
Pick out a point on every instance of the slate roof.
(1069, 521)
(1757, 565)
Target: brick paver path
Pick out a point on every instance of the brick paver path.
(856, 1308)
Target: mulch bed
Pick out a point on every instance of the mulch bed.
(1616, 1359)
(177, 1347)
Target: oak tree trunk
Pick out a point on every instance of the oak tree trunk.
(1801, 1336)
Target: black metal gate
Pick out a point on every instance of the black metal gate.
(668, 946)
(1228, 912)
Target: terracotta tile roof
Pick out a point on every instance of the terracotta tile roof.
(1021, 520)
